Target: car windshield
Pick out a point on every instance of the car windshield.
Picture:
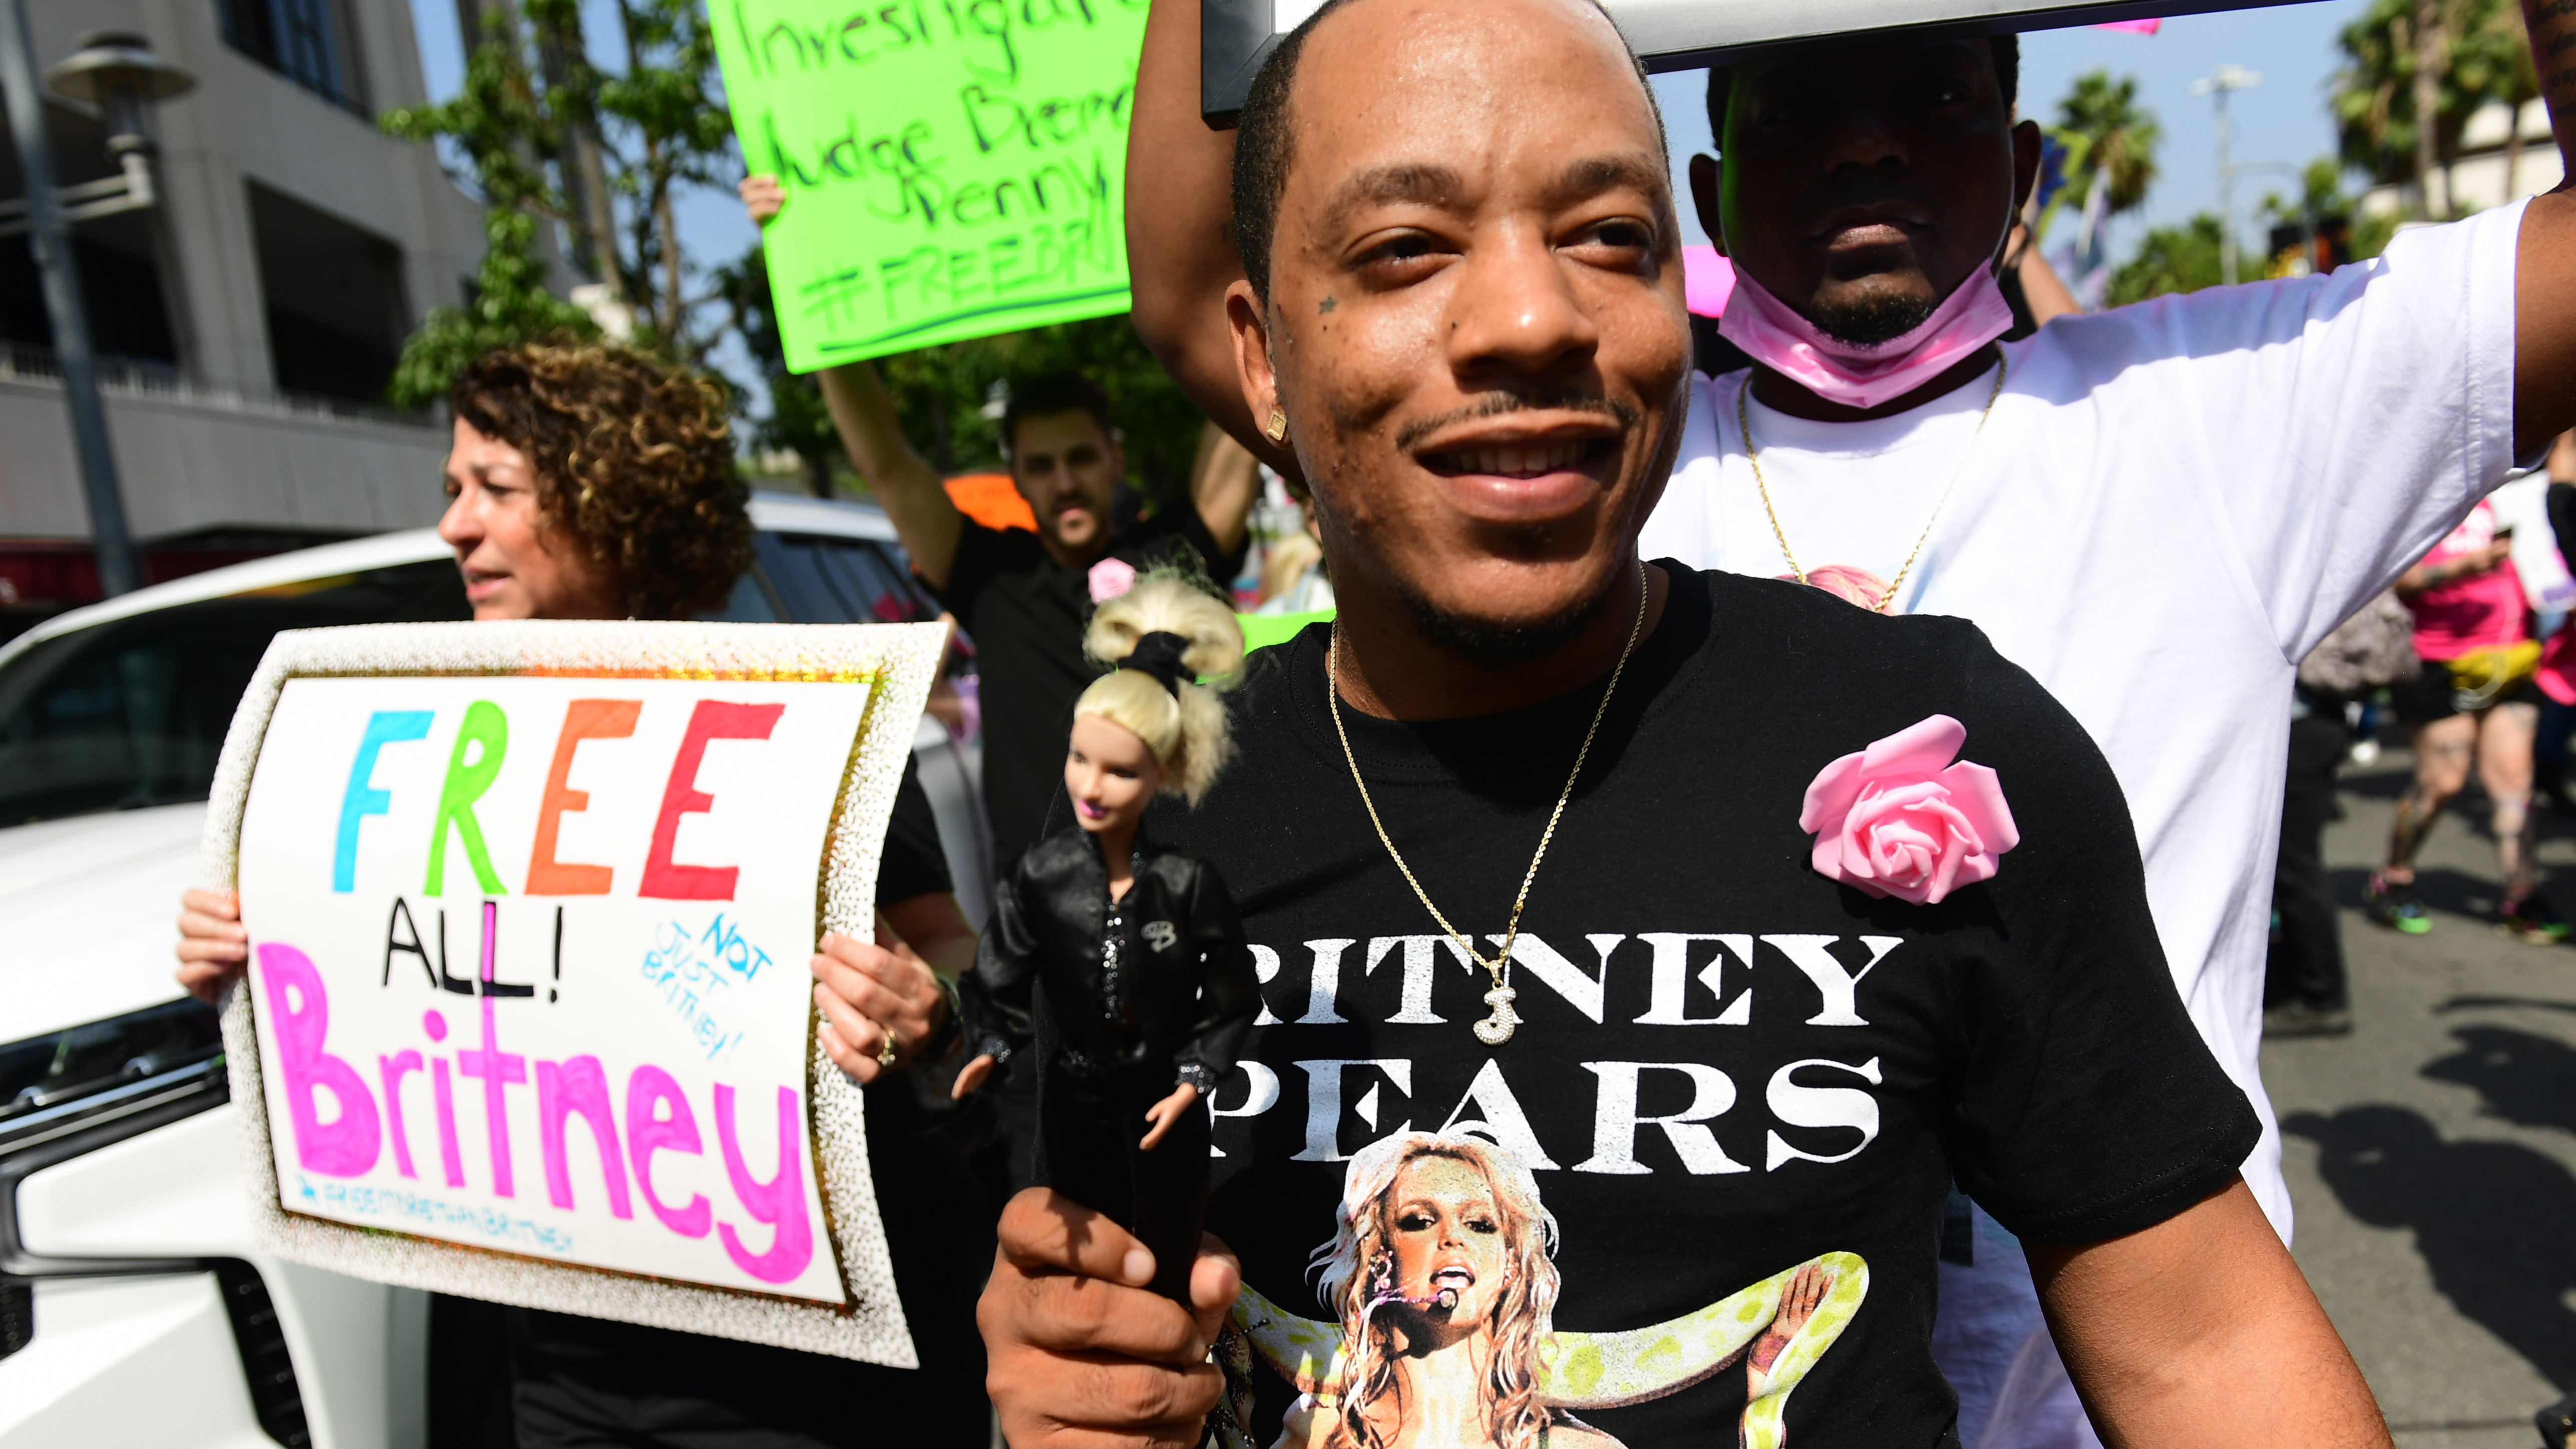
(824, 580)
(133, 712)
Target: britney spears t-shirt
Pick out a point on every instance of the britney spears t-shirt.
(1695, 1195)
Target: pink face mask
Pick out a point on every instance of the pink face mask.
(1771, 333)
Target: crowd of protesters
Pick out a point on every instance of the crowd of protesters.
(590, 482)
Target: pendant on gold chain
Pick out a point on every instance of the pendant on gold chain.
(1502, 1021)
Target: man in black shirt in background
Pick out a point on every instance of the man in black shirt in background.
(1024, 598)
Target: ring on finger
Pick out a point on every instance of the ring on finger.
(887, 1045)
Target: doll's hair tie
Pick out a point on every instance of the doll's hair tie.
(1159, 654)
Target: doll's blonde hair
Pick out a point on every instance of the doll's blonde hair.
(1187, 734)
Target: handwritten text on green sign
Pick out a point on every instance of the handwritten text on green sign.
(953, 168)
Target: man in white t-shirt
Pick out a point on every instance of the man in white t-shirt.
(2157, 511)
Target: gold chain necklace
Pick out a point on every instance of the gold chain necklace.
(1744, 428)
(1495, 1029)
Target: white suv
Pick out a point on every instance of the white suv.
(134, 1308)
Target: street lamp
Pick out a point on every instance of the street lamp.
(120, 75)
(2216, 86)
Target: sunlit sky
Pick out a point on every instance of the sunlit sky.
(2282, 121)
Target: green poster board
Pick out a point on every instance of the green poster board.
(1260, 631)
(953, 168)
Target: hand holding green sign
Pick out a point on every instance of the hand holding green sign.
(953, 168)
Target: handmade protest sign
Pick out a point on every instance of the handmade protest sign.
(953, 168)
(527, 1015)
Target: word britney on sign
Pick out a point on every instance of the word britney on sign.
(953, 167)
(529, 1002)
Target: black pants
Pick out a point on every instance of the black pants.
(1087, 1136)
(2306, 962)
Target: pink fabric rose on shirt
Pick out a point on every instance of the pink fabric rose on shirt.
(1843, 581)
(1902, 819)
(1111, 577)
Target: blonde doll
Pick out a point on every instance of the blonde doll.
(1133, 953)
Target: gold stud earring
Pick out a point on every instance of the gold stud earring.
(1276, 428)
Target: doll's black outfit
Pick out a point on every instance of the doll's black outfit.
(1126, 1000)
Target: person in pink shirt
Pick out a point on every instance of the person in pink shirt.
(2472, 702)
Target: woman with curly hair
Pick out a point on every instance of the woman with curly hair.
(591, 482)
(585, 482)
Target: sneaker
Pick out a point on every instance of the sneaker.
(2531, 919)
(2393, 904)
(2297, 1018)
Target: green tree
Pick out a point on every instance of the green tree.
(2491, 62)
(2320, 196)
(2373, 94)
(2409, 59)
(2171, 259)
(510, 305)
(548, 140)
(2108, 135)
(797, 421)
(2320, 209)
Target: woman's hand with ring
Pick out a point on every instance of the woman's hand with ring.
(875, 996)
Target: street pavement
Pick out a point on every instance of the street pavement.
(2432, 1153)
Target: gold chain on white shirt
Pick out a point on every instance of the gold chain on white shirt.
(1744, 427)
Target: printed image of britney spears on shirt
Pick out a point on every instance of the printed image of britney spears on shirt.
(1441, 1275)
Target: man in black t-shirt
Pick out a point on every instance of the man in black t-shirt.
(1726, 1067)
(1672, 1173)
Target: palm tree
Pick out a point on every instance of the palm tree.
(2406, 58)
(2110, 137)
(2491, 61)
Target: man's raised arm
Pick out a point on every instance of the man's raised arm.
(2544, 322)
(1180, 228)
(904, 483)
(2200, 1331)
